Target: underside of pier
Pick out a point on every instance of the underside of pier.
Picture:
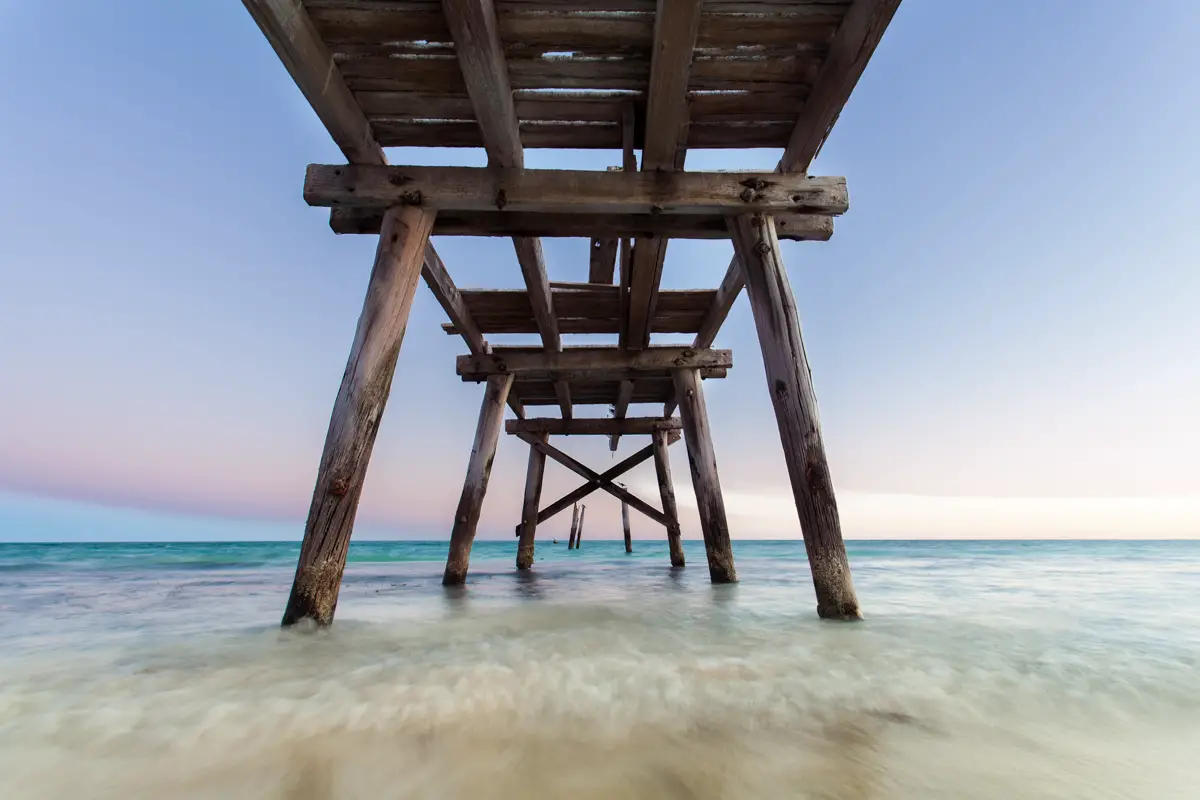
(654, 78)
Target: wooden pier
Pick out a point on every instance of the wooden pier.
(656, 76)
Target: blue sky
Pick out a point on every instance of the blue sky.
(1003, 331)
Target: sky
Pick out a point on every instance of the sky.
(1003, 331)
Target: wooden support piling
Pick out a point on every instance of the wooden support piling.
(479, 469)
(529, 510)
(574, 525)
(625, 525)
(356, 415)
(662, 466)
(579, 531)
(795, 402)
(703, 463)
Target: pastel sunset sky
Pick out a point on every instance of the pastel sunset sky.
(1004, 331)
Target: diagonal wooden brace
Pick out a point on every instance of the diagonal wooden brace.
(595, 479)
(580, 492)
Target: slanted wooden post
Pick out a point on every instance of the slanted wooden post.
(703, 463)
(788, 375)
(574, 526)
(625, 525)
(479, 469)
(662, 466)
(356, 414)
(529, 511)
(579, 532)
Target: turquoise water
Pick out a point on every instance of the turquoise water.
(983, 669)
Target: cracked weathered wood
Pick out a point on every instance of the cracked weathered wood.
(702, 461)
(529, 508)
(357, 412)
(574, 526)
(666, 492)
(518, 360)
(795, 402)
(562, 191)
(602, 426)
(799, 227)
(479, 470)
(579, 530)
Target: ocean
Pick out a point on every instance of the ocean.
(982, 670)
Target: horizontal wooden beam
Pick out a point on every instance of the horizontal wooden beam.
(794, 227)
(572, 191)
(590, 376)
(629, 426)
(522, 359)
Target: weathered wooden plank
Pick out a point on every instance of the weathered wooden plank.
(479, 470)
(573, 191)
(527, 530)
(625, 527)
(368, 22)
(589, 380)
(481, 58)
(703, 463)
(655, 389)
(676, 24)
(592, 427)
(666, 493)
(593, 476)
(296, 41)
(852, 47)
(795, 402)
(602, 261)
(356, 414)
(504, 360)
(800, 227)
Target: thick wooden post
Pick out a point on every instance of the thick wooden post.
(790, 379)
(666, 490)
(479, 469)
(625, 525)
(574, 526)
(529, 511)
(579, 532)
(703, 463)
(356, 414)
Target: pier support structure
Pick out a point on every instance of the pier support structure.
(666, 491)
(702, 460)
(625, 527)
(656, 109)
(529, 509)
(357, 412)
(479, 470)
(795, 401)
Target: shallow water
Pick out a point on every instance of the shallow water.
(983, 670)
